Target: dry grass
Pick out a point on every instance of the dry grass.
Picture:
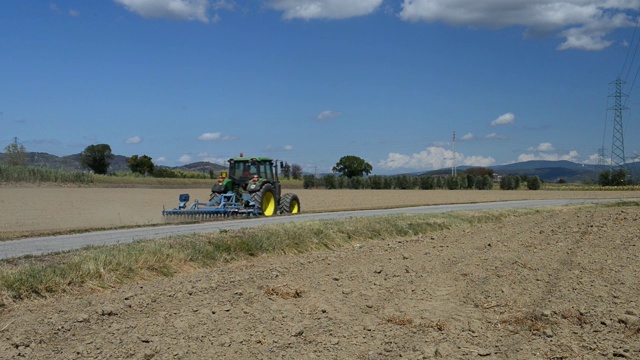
(284, 291)
(401, 320)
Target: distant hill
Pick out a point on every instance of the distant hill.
(548, 171)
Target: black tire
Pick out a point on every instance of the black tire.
(289, 204)
(265, 200)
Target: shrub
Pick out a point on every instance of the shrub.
(329, 181)
(308, 181)
(427, 183)
(403, 182)
(484, 183)
(376, 182)
(453, 183)
(534, 183)
(510, 182)
(355, 182)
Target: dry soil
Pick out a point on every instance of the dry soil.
(557, 285)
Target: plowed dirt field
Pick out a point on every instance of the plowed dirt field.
(563, 284)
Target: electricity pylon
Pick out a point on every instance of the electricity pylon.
(617, 145)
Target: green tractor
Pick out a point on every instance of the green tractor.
(257, 177)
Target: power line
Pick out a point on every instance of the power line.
(628, 50)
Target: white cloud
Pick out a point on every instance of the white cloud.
(74, 13)
(216, 136)
(270, 148)
(504, 119)
(185, 159)
(494, 136)
(327, 115)
(432, 158)
(324, 9)
(595, 159)
(171, 9)
(584, 23)
(212, 158)
(468, 137)
(54, 7)
(571, 156)
(133, 140)
(161, 159)
(543, 147)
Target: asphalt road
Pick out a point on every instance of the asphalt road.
(61, 243)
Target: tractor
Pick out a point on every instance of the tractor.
(250, 187)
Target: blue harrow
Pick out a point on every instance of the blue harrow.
(225, 205)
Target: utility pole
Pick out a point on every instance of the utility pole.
(454, 170)
(617, 147)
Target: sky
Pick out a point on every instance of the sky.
(310, 81)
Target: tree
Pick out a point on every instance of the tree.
(329, 181)
(16, 153)
(533, 183)
(479, 171)
(613, 178)
(97, 158)
(351, 166)
(143, 165)
(309, 181)
(296, 171)
(286, 171)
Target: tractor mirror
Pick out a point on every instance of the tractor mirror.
(223, 174)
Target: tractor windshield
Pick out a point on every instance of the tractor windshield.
(245, 170)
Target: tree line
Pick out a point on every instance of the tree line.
(350, 172)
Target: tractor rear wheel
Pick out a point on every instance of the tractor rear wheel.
(265, 200)
(289, 204)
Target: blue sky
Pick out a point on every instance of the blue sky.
(309, 81)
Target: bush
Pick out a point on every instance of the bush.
(387, 183)
(427, 183)
(510, 182)
(484, 183)
(534, 183)
(308, 181)
(355, 182)
(329, 181)
(453, 183)
(403, 182)
(376, 182)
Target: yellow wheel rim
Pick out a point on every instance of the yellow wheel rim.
(295, 207)
(268, 204)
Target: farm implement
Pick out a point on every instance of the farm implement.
(250, 188)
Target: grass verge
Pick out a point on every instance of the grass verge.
(95, 268)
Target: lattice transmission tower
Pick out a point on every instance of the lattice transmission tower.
(617, 146)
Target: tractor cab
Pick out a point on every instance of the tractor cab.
(247, 174)
(244, 170)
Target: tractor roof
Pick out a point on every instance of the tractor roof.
(248, 159)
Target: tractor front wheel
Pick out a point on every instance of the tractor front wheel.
(289, 204)
(265, 200)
